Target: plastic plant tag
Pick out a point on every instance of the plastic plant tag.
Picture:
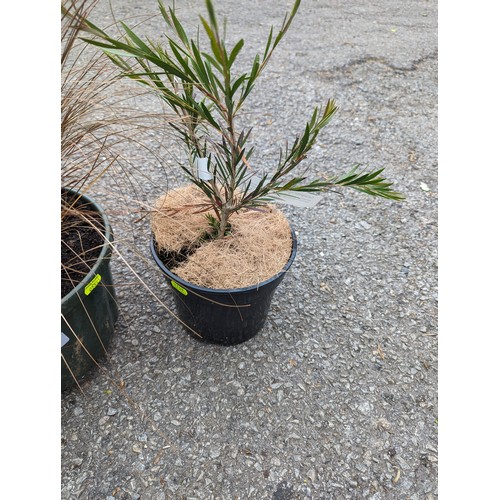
(64, 339)
(203, 173)
(295, 198)
(178, 287)
(95, 281)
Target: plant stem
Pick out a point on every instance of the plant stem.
(224, 218)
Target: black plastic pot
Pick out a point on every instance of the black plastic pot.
(88, 312)
(228, 316)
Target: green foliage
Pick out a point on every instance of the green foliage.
(206, 94)
(214, 224)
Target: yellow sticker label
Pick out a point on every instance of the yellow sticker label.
(178, 287)
(95, 281)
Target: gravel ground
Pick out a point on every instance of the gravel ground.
(336, 398)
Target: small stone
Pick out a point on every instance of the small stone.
(78, 411)
(383, 423)
(311, 474)
(365, 408)
(112, 411)
(136, 448)
(103, 420)
(138, 467)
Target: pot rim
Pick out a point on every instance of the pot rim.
(215, 291)
(105, 250)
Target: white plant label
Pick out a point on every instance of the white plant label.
(294, 198)
(297, 199)
(203, 173)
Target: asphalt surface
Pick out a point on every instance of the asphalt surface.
(336, 398)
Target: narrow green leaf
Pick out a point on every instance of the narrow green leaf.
(199, 66)
(213, 41)
(290, 184)
(164, 13)
(236, 50)
(312, 121)
(140, 44)
(167, 66)
(238, 83)
(118, 52)
(211, 14)
(255, 67)
(208, 116)
(213, 62)
(178, 28)
(269, 40)
(295, 8)
(183, 60)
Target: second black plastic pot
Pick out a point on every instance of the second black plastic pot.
(88, 312)
(228, 316)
